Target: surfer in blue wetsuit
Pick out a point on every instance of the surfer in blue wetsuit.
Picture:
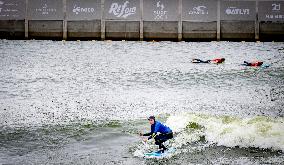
(159, 132)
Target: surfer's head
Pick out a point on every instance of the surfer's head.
(151, 119)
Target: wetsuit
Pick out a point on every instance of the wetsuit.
(218, 60)
(258, 63)
(165, 134)
(199, 61)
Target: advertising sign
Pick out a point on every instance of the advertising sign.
(271, 11)
(12, 9)
(122, 9)
(45, 10)
(160, 10)
(238, 10)
(199, 10)
(83, 9)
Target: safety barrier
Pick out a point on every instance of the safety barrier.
(143, 19)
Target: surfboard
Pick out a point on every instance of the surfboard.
(159, 154)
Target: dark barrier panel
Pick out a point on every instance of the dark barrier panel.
(83, 19)
(271, 18)
(199, 19)
(122, 19)
(12, 15)
(237, 19)
(160, 19)
(46, 16)
(45, 29)
(128, 30)
(138, 19)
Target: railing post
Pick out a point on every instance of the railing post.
(218, 20)
(141, 21)
(26, 21)
(180, 20)
(103, 25)
(64, 20)
(256, 22)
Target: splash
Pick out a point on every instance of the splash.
(258, 131)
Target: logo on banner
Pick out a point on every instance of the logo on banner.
(236, 11)
(78, 10)
(1, 3)
(198, 10)
(45, 10)
(9, 9)
(276, 7)
(160, 13)
(122, 10)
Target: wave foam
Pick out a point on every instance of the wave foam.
(259, 131)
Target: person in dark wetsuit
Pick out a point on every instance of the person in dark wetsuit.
(257, 63)
(215, 61)
(199, 61)
(159, 132)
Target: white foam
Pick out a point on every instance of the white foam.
(259, 131)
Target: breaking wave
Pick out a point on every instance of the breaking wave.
(258, 132)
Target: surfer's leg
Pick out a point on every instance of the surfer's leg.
(160, 139)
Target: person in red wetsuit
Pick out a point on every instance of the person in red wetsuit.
(218, 60)
(215, 61)
(256, 63)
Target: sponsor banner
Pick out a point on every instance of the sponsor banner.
(45, 10)
(238, 10)
(12, 9)
(199, 10)
(160, 10)
(83, 9)
(271, 11)
(122, 9)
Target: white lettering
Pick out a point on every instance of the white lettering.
(121, 10)
(198, 10)
(276, 7)
(45, 10)
(160, 13)
(236, 11)
(78, 10)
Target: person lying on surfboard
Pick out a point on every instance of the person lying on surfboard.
(215, 61)
(255, 63)
(159, 132)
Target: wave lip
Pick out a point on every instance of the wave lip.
(257, 132)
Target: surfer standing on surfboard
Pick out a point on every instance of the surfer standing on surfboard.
(159, 132)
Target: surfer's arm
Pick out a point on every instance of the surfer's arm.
(152, 136)
(147, 134)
